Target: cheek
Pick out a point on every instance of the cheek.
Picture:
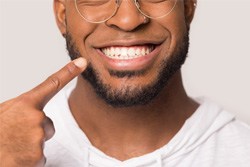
(80, 30)
(176, 26)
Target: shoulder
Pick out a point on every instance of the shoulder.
(236, 133)
(227, 139)
(231, 144)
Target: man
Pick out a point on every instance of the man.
(129, 107)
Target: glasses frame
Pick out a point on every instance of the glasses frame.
(118, 2)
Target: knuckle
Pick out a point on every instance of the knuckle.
(38, 117)
(54, 81)
(41, 115)
(25, 98)
(39, 136)
(71, 68)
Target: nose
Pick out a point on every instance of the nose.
(127, 17)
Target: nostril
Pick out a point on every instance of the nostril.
(127, 22)
(118, 2)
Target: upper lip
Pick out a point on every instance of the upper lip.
(127, 43)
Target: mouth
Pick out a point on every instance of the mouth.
(129, 56)
(127, 52)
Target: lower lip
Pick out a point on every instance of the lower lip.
(138, 63)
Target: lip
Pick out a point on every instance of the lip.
(135, 64)
(127, 43)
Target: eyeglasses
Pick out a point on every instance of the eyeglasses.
(99, 11)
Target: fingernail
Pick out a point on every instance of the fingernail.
(80, 62)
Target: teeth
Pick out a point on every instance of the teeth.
(125, 53)
(131, 52)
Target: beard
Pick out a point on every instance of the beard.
(127, 95)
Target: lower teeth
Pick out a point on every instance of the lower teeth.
(124, 57)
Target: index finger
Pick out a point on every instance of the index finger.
(42, 93)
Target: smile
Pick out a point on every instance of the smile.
(127, 52)
(129, 56)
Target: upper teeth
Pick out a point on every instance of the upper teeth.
(127, 52)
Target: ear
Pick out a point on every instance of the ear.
(189, 6)
(60, 15)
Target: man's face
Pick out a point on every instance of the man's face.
(128, 81)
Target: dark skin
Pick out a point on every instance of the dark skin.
(23, 125)
(119, 132)
(124, 133)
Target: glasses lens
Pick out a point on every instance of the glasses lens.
(156, 8)
(96, 10)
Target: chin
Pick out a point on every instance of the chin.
(127, 86)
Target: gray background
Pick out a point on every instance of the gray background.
(218, 67)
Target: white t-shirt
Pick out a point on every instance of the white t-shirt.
(211, 137)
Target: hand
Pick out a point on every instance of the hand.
(23, 125)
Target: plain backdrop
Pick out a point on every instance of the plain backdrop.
(218, 66)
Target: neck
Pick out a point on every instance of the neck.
(133, 131)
